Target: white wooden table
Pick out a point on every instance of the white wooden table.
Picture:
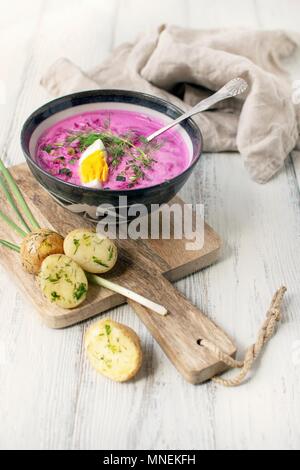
(50, 398)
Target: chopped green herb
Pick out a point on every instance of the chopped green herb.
(55, 278)
(47, 148)
(67, 279)
(110, 253)
(107, 329)
(98, 261)
(87, 239)
(80, 291)
(54, 296)
(71, 138)
(86, 140)
(117, 147)
(77, 245)
(65, 171)
(120, 178)
(114, 348)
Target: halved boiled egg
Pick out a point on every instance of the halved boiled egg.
(93, 168)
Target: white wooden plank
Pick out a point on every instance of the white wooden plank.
(63, 403)
(84, 42)
(142, 413)
(42, 374)
(136, 16)
(259, 226)
(278, 14)
(16, 44)
(213, 14)
(158, 415)
(256, 255)
(112, 423)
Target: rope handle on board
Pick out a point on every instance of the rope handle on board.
(253, 352)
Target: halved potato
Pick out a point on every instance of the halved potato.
(37, 245)
(63, 281)
(94, 252)
(114, 350)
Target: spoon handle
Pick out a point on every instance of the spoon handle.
(234, 87)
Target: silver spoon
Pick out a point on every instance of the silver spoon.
(234, 87)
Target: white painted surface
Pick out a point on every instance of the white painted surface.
(49, 396)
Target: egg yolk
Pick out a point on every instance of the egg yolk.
(94, 167)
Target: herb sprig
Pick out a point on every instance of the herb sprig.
(118, 147)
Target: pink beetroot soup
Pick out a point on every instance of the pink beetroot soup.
(132, 162)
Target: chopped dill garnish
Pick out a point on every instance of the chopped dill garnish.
(121, 178)
(71, 138)
(65, 171)
(67, 279)
(55, 278)
(107, 329)
(99, 261)
(54, 296)
(47, 148)
(80, 291)
(110, 253)
(118, 147)
(77, 245)
(114, 348)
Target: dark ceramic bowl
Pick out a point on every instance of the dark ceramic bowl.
(86, 200)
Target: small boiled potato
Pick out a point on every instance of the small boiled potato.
(114, 350)
(94, 252)
(63, 281)
(37, 245)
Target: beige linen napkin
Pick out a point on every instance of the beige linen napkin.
(184, 66)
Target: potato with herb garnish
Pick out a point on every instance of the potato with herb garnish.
(94, 252)
(63, 281)
(37, 245)
(114, 350)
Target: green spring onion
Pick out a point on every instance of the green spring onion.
(12, 203)
(10, 245)
(15, 227)
(18, 195)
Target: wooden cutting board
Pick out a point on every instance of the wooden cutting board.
(146, 267)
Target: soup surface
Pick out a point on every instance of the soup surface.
(132, 163)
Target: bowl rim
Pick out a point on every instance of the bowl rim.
(103, 92)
